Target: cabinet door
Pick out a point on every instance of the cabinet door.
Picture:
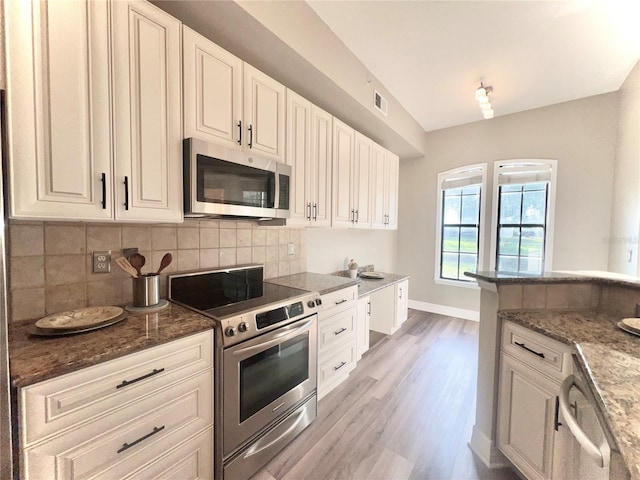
(402, 302)
(147, 112)
(392, 170)
(212, 79)
(264, 112)
(526, 408)
(299, 157)
(362, 326)
(58, 110)
(320, 167)
(343, 152)
(379, 185)
(361, 181)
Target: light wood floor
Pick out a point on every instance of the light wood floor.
(405, 413)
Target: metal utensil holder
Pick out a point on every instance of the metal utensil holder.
(146, 290)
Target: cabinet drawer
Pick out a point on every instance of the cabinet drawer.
(536, 350)
(66, 401)
(338, 363)
(112, 444)
(339, 300)
(337, 329)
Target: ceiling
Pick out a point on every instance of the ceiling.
(432, 55)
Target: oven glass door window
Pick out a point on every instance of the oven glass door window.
(230, 183)
(268, 375)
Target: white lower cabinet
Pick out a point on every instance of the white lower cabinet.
(159, 422)
(336, 338)
(362, 326)
(530, 430)
(389, 307)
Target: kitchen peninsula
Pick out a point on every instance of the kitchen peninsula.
(580, 311)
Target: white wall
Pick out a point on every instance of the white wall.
(580, 134)
(328, 250)
(625, 206)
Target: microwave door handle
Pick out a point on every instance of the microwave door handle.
(278, 338)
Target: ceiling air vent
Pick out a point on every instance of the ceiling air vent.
(380, 102)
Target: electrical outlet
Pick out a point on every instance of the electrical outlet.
(101, 262)
(290, 249)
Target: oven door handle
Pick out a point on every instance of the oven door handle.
(585, 442)
(276, 339)
(257, 448)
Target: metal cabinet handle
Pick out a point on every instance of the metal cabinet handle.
(126, 193)
(338, 332)
(522, 345)
(239, 132)
(315, 212)
(309, 211)
(127, 446)
(103, 179)
(126, 383)
(400, 292)
(250, 136)
(581, 437)
(342, 364)
(353, 215)
(357, 215)
(341, 301)
(556, 422)
(369, 310)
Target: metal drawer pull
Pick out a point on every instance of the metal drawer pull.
(522, 345)
(127, 446)
(341, 301)
(103, 179)
(150, 374)
(342, 364)
(338, 332)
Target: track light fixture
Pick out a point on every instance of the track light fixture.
(482, 96)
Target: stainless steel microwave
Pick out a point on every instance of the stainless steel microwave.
(219, 181)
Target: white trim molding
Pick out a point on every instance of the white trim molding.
(445, 310)
(486, 451)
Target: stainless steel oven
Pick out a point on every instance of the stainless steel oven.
(265, 365)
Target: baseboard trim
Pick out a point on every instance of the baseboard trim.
(488, 453)
(445, 310)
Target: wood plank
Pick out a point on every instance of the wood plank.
(406, 412)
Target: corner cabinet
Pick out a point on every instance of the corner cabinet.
(144, 415)
(83, 119)
(389, 307)
(309, 154)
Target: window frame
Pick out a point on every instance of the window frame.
(532, 165)
(460, 173)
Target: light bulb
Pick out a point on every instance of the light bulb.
(487, 114)
(481, 93)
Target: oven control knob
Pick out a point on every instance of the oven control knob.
(311, 304)
(230, 331)
(243, 327)
(318, 302)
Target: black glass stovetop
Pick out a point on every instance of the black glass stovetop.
(225, 293)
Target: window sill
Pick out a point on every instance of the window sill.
(452, 283)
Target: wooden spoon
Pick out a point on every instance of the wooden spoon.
(124, 264)
(137, 261)
(165, 262)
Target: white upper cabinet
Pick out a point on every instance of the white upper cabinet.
(147, 112)
(361, 180)
(343, 155)
(229, 102)
(58, 110)
(212, 89)
(384, 191)
(309, 154)
(264, 112)
(81, 83)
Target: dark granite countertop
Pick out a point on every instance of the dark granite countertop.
(611, 359)
(33, 359)
(508, 278)
(368, 285)
(314, 282)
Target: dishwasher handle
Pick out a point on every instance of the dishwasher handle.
(585, 442)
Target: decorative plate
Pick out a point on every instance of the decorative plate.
(57, 332)
(375, 275)
(80, 318)
(631, 324)
(632, 331)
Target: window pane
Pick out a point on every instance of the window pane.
(507, 264)
(472, 190)
(451, 211)
(470, 209)
(450, 239)
(449, 266)
(534, 206)
(509, 206)
(528, 187)
(532, 243)
(531, 264)
(508, 241)
(469, 240)
(468, 263)
(453, 192)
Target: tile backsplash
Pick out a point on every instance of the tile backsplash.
(50, 262)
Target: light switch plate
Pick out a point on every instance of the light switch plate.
(101, 261)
